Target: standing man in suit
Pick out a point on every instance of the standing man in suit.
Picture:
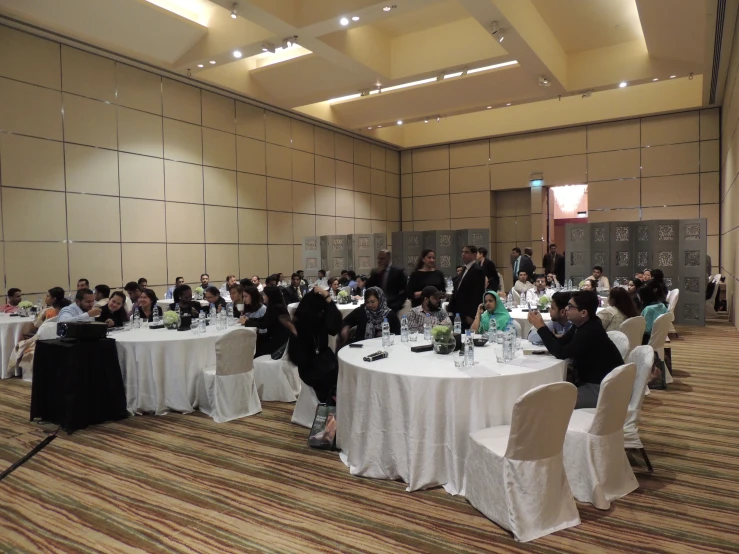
(554, 263)
(488, 267)
(468, 291)
(527, 264)
(390, 279)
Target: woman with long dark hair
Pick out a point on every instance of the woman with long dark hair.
(425, 275)
(272, 329)
(620, 308)
(634, 286)
(254, 308)
(148, 305)
(658, 282)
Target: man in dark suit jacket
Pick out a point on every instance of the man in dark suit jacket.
(488, 267)
(527, 264)
(390, 279)
(470, 288)
(294, 292)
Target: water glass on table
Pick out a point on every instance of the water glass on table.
(412, 335)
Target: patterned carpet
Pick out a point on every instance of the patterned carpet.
(181, 483)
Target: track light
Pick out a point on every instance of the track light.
(440, 77)
(268, 47)
(289, 42)
(497, 32)
(388, 8)
(235, 11)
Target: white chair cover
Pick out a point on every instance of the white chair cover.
(516, 297)
(514, 474)
(305, 408)
(228, 390)
(595, 459)
(276, 380)
(711, 302)
(634, 328)
(517, 325)
(643, 358)
(660, 330)
(672, 297)
(501, 285)
(621, 341)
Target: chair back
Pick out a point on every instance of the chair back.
(517, 325)
(643, 358)
(47, 331)
(235, 351)
(621, 341)
(501, 285)
(539, 421)
(634, 328)
(516, 298)
(613, 400)
(672, 297)
(660, 329)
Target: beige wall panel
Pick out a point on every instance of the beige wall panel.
(378, 182)
(183, 142)
(31, 163)
(344, 225)
(304, 225)
(30, 110)
(432, 225)
(505, 203)
(549, 144)
(326, 225)
(324, 142)
(219, 149)
(139, 89)
(709, 183)
(470, 204)
(140, 133)
(505, 229)
(92, 217)
(344, 147)
(218, 112)
(221, 225)
(469, 154)
(392, 184)
(149, 260)
(133, 215)
(406, 226)
(85, 259)
(89, 122)
(281, 259)
(607, 166)
(537, 236)
(28, 58)
(406, 209)
(88, 75)
(303, 168)
(297, 258)
(250, 121)
(406, 161)
(34, 267)
(711, 213)
(251, 155)
(362, 178)
(605, 195)
(278, 162)
(304, 198)
(377, 226)
(278, 129)
(670, 212)
(183, 182)
(345, 203)
(18, 207)
(252, 191)
(670, 129)
(709, 155)
(617, 135)
(713, 248)
(221, 260)
(431, 207)
(325, 171)
(362, 206)
(431, 183)
(566, 170)
(219, 186)
(279, 195)
(710, 124)
(377, 157)
(185, 260)
(141, 176)
(91, 170)
(393, 209)
(181, 101)
(406, 185)
(185, 223)
(301, 135)
(430, 159)
(630, 214)
(325, 200)
(392, 161)
(378, 207)
(344, 175)
(674, 190)
(470, 223)
(362, 155)
(253, 260)
(469, 179)
(523, 230)
(673, 159)
(252, 226)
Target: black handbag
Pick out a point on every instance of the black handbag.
(323, 431)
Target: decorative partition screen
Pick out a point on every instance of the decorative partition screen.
(336, 252)
(677, 247)
(447, 245)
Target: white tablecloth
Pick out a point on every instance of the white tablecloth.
(409, 416)
(11, 333)
(161, 368)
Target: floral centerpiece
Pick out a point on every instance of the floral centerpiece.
(443, 340)
(343, 297)
(24, 307)
(199, 292)
(543, 303)
(171, 320)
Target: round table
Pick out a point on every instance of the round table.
(161, 367)
(409, 416)
(164, 304)
(11, 333)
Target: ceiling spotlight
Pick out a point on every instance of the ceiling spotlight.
(344, 21)
(497, 32)
(379, 126)
(673, 76)
(622, 84)
(200, 65)
(587, 94)
(369, 128)
(655, 79)
(426, 120)
(212, 62)
(438, 119)
(289, 42)
(234, 11)
(388, 8)
(355, 18)
(440, 77)
(489, 108)
(237, 54)
(543, 81)
(400, 122)
(508, 104)
(268, 47)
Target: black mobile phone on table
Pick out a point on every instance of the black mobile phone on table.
(356, 345)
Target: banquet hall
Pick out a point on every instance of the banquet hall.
(163, 156)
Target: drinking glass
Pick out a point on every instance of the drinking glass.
(412, 335)
(498, 347)
(458, 358)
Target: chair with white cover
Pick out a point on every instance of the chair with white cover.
(711, 302)
(633, 328)
(516, 298)
(276, 380)
(643, 358)
(305, 408)
(660, 330)
(514, 474)
(672, 297)
(595, 459)
(228, 390)
(621, 341)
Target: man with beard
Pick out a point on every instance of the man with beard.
(430, 307)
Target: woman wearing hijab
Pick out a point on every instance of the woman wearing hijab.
(368, 318)
(490, 309)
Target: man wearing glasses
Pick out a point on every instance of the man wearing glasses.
(592, 353)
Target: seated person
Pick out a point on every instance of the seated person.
(273, 279)
(360, 287)
(639, 275)
(589, 284)
(254, 307)
(344, 278)
(294, 292)
(652, 308)
(205, 281)
(82, 311)
(182, 297)
(14, 298)
(538, 290)
(213, 296)
(601, 281)
(81, 284)
(148, 305)
(134, 293)
(54, 302)
(113, 312)
(170, 291)
(552, 281)
(522, 285)
(559, 324)
(143, 283)
(333, 287)
(237, 297)
(646, 275)
(230, 280)
(620, 308)
(101, 293)
(369, 317)
(352, 276)
(592, 353)
(634, 286)
(272, 329)
(491, 309)
(256, 282)
(431, 298)
(322, 275)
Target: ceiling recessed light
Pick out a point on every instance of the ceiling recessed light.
(369, 128)
(200, 65)
(622, 84)
(212, 62)
(234, 11)
(508, 104)
(489, 108)
(379, 126)
(344, 21)
(655, 79)
(237, 54)
(386, 9)
(355, 18)
(673, 76)
(400, 122)
(426, 120)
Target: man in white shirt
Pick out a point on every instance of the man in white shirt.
(170, 292)
(522, 285)
(600, 279)
(82, 311)
(257, 283)
(225, 287)
(559, 323)
(538, 290)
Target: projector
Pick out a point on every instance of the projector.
(82, 331)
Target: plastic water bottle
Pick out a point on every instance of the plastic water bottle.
(136, 319)
(404, 329)
(500, 335)
(514, 335)
(427, 327)
(457, 325)
(509, 300)
(508, 344)
(212, 316)
(492, 330)
(177, 309)
(230, 314)
(201, 322)
(155, 315)
(385, 333)
(469, 350)
(572, 284)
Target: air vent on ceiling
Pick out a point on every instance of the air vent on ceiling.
(718, 37)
